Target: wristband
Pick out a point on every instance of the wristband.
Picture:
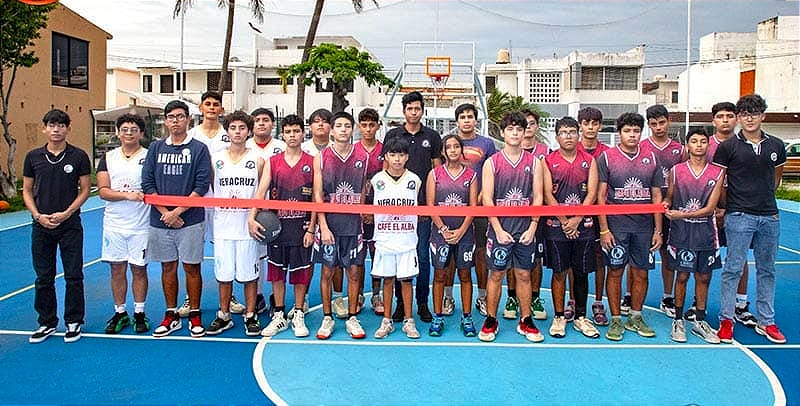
(605, 232)
(310, 232)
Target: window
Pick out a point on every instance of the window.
(592, 78)
(166, 84)
(147, 83)
(180, 80)
(544, 87)
(491, 83)
(212, 81)
(674, 97)
(281, 47)
(70, 62)
(273, 81)
(618, 78)
(328, 85)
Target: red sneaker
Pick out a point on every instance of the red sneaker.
(772, 332)
(725, 332)
(196, 324)
(529, 330)
(489, 330)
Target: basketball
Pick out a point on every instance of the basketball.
(4, 205)
(271, 224)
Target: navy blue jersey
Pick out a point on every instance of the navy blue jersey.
(343, 179)
(513, 186)
(629, 179)
(570, 187)
(453, 191)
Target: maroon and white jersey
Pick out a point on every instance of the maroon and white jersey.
(595, 153)
(343, 179)
(570, 187)
(691, 193)
(453, 191)
(668, 156)
(375, 163)
(539, 151)
(291, 183)
(713, 144)
(629, 179)
(513, 186)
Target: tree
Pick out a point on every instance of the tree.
(19, 26)
(499, 103)
(256, 8)
(342, 66)
(358, 5)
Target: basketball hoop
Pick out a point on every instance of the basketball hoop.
(437, 68)
(438, 82)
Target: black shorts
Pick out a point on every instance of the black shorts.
(289, 258)
(500, 257)
(686, 260)
(578, 255)
(369, 231)
(442, 254)
(631, 248)
(346, 251)
(481, 225)
(664, 228)
(539, 241)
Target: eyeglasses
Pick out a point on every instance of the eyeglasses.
(750, 116)
(56, 125)
(176, 117)
(568, 134)
(132, 130)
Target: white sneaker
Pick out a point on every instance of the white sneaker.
(236, 307)
(360, 305)
(678, 333)
(480, 305)
(299, 324)
(448, 306)
(184, 310)
(353, 327)
(339, 308)
(276, 325)
(326, 329)
(290, 315)
(586, 327)
(377, 304)
(386, 328)
(705, 332)
(410, 328)
(558, 328)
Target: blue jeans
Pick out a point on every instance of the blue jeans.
(740, 230)
(424, 257)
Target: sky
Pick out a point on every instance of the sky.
(145, 32)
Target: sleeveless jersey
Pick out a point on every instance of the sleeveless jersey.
(453, 191)
(667, 156)
(713, 144)
(595, 153)
(215, 144)
(690, 193)
(629, 180)
(126, 176)
(395, 234)
(539, 151)
(513, 186)
(233, 180)
(274, 147)
(569, 188)
(343, 179)
(375, 163)
(291, 183)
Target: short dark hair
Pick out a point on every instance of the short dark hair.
(212, 95)
(293, 119)
(656, 111)
(413, 97)
(465, 107)
(56, 116)
(238, 115)
(696, 130)
(752, 103)
(631, 119)
(589, 114)
(566, 121)
(529, 112)
(369, 114)
(176, 104)
(130, 118)
(261, 110)
(324, 114)
(342, 114)
(396, 145)
(723, 106)
(515, 118)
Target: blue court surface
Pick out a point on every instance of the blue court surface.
(235, 369)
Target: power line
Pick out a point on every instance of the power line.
(541, 24)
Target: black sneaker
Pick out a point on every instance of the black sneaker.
(743, 316)
(399, 314)
(625, 306)
(141, 324)
(691, 313)
(668, 307)
(271, 305)
(117, 323)
(424, 313)
(41, 334)
(261, 304)
(219, 325)
(73, 333)
(251, 326)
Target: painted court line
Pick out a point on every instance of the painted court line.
(29, 221)
(29, 287)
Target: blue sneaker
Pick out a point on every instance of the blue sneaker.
(468, 326)
(437, 326)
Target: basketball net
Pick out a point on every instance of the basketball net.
(438, 82)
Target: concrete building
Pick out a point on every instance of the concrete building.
(662, 91)
(117, 80)
(71, 75)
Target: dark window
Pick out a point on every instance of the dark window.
(180, 80)
(491, 83)
(281, 47)
(147, 83)
(575, 77)
(70, 62)
(674, 97)
(166, 85)
(273, 81)
(212, 81)
(591, 78)
(621, 78)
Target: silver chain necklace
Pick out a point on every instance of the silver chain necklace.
(47, 156)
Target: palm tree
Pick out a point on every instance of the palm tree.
(256, 8)
(499, 103)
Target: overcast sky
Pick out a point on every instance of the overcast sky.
(146, 29)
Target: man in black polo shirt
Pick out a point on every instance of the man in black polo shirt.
(423, 155)
(55, 184)
(753, 161)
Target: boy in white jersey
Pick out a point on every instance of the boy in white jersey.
(125, 222)
(396, 235)
(237, 170)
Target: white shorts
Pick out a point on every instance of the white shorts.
(209, 235)
(127, 247)
(236, 259)
(401, 266)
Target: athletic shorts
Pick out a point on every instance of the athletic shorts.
(209, 230)
(481, 225)
(172, 244)
(502, 257)
(631, 248)
(369, 231)
(130, 247)
(664, 228)
(236, 259)
(686, 260)
(403, 266)
(290, 258)
(345, 251)
(578, 255)
(541, 246)
(442, 254)
(297, 277)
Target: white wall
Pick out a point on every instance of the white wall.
(711, 83)
(778, 74)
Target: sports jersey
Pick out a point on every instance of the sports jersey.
(476, 151)
(309, 147)
(598, 149)
(343, 179)
(375, 163)
(667, 156)
(691, 193)
(569, 188)
(453, 191)
(513, 186)
(274, 147)
(539, 151)
(126, 176)
(234, 180)
(395, 234)
(629, 180)
(291, 183)
(215, 144)
(713, 144)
